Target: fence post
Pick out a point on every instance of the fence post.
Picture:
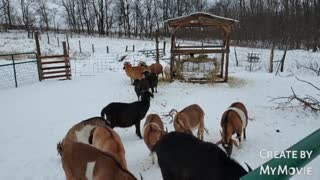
(133, 48)
(38, 54)
(66, 59)
(235, 54)
(92, 48)
(157, 47)
(14, 71)
(127, 48)
(80, 46)
(68, 43)
(58, 41)
(164, 47)
(108, 49)
(37, 44)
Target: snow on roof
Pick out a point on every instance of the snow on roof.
(202, 13)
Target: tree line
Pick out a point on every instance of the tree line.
(294, 23)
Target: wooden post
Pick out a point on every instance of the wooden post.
(179, 54)
(58, 41)
(164, 47)
(227, 57)
(133, 48)
(127, 48)
(108, 49)
(66, 60)
(80, 46)
(92, 48)
(157, 47)
(38, 44)
(38, 56)
(235, 54)
(172, 57)
(283, 58)
(68, 42)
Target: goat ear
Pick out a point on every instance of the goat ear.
(219, 142)
(235, 142)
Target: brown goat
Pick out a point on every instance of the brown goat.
(190, 118)
(134, 72)
(81, 162)
(155, 68)
(234, 121)
(107, 140)
(81, 131)
(153, 130)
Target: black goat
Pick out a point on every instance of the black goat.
(153, 80)
(127, 114)
(141, 86)
(185, 157)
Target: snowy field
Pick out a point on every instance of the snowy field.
(36, 116)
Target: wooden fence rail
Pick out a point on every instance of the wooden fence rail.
(51, 69)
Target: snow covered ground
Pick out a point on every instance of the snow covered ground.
(35, 117)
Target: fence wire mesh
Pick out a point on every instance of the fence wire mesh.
(18, 72)
(88, 65)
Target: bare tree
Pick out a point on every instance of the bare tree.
(7, 13)
(44, 13)
(27, 15)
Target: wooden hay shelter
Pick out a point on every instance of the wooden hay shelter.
(202, 20)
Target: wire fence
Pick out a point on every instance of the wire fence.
(18, 69)
(88, 65)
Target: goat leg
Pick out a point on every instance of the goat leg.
(239, 137)
(138, 130)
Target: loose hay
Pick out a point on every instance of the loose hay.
(198, 69)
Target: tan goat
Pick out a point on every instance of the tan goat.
(190, 118)
(107, 140)
(134, 72)
(83, 162)
(234, 121)
(81, 131)
(153, 131)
